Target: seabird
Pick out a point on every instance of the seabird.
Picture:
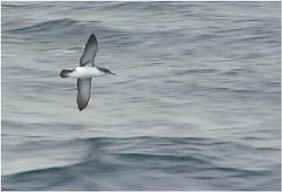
(85, 72)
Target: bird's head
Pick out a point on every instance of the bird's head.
(106, 71)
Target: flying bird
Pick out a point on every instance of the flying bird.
(85, 72)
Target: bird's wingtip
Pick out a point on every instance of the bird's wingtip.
(80, 109)
(92, 36)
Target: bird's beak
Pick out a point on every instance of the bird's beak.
(112, 73)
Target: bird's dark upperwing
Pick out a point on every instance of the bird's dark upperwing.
(89, 52)
(83, 92)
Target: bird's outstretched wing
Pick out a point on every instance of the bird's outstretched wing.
(83, 92)
(89, 52)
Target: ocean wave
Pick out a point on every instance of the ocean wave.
(207, 72)
(47, 26)
(106, 158)
(195, 71)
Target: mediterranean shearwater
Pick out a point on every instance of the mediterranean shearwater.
(85, 72)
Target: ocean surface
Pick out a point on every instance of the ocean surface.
(195, 105)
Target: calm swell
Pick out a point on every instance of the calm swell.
(195, 105)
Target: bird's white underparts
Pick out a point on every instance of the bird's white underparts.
(85, 72)
(82, 72)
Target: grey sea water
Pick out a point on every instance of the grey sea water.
(195, 105)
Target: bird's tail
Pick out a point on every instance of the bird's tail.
(65, 73)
